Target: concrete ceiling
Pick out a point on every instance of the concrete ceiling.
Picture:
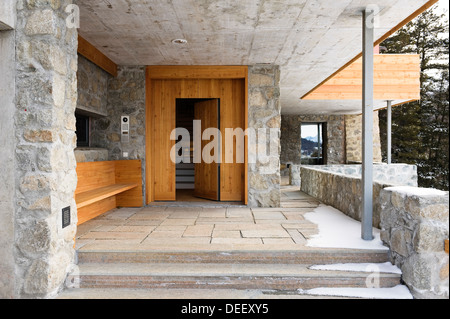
(309, 39)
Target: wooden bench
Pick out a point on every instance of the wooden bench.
(103, 186)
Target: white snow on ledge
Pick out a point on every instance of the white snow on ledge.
(386, 268)
(337, 230)
(416, 191)
(398, 292)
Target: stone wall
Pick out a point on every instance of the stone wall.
(45, 181)
(126, 97)
(92, 88)
(341, 186)
(290, 140)
(353, 131)
(415, 223)
(91, 154)
(291, 137)
(264, 112)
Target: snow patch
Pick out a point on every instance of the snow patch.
(416, 191)
(398, 292)
(337, 230)
(387, 268)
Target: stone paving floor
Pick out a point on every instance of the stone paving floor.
(194, 226)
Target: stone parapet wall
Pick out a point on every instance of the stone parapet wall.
(414, 224)
(395, 174)
(340, 186)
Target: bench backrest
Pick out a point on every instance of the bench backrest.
(93, 175)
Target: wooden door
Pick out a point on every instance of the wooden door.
(164, 122)
(207, 170)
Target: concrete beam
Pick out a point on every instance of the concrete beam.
(7, 15)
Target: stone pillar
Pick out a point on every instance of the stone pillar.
(353, 131)
(265, 116)
(291, 139)
(44, 121)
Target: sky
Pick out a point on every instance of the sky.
(443, 5)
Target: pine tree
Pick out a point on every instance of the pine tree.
(420, 132)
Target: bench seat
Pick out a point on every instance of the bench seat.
(95, 195)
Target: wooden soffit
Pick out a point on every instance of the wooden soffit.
(396, 77)
(94, 55)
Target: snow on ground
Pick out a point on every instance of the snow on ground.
(381, 268)
(337, 230)
(398, 292)
(416, 191)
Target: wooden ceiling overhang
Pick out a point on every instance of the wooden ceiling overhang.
(396, 77)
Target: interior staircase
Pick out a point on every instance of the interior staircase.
(212, 274)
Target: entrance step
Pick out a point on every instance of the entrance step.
(304, 257)
(283, 277)
(185, 294)
(223, 274)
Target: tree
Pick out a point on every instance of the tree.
(421, 129)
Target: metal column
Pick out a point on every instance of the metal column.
(389, 132)
(367, 144)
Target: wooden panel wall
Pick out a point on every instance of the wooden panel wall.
(129, 172)
(228, 86)
(94, 175)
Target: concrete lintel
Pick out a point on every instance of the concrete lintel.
(7, 15)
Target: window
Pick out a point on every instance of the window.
(82, 130)
(312, 152)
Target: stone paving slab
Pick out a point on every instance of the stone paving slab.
(203, 228)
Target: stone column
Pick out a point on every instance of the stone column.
(353, 131)
(265, 116)
(46, 96)
(291, 139)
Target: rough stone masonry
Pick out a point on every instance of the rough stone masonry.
(265, 113)
(44, 163)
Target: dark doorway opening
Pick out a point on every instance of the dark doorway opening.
(189, 179)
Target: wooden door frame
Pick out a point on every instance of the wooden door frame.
(190, 73)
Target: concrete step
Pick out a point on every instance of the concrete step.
(282, 277)
(305, 257)
(185, 294)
